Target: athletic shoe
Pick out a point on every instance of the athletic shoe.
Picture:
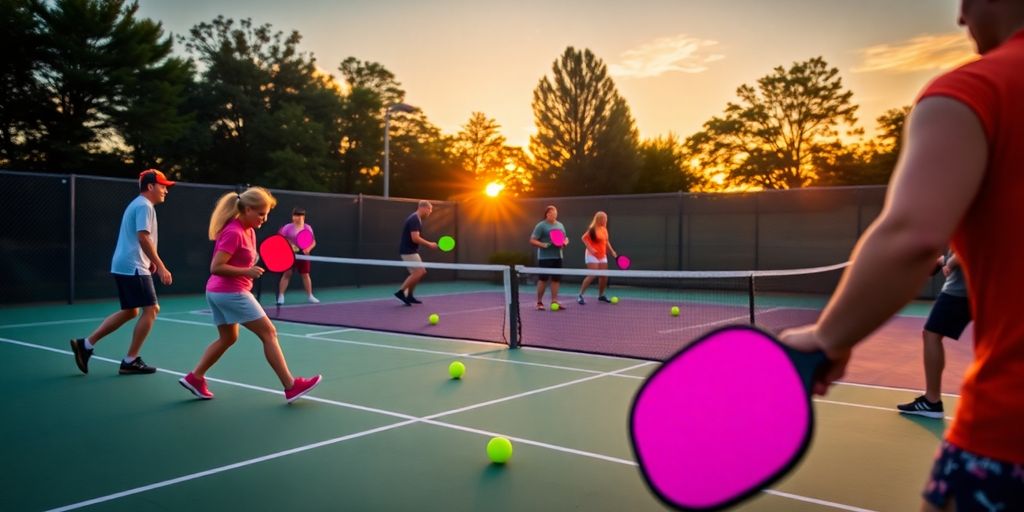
(280, 300)
(540, 306)
(604, 299)
(401, 296)
(301, 387)
(313, 300)
(580, 301)
(196, 385)
(82, 354)
(414, 300)
(922, 407)
(136, 367)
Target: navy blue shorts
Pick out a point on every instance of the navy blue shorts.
(549, 263)
(974, 482)
(950, 316)
(135, 291)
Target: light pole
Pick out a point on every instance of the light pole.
(397, 107)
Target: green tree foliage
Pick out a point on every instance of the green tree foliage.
(779, 129)
(869, 163)
(270, 115)
(586, 140)
(89, 85)
(481, 152)
(371, 88)
(22, 99)
(664, 168)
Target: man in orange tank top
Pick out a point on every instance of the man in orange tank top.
(960, 177)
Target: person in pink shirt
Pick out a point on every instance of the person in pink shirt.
(228, 291)
(291, 232)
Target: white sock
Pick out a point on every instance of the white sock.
(88, 344)
(129, 360)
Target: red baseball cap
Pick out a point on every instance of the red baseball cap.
(154, 176)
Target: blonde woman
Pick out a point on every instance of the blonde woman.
(596, 255)
(233, 226)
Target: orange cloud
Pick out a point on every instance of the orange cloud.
(675, 54)
(922, 53)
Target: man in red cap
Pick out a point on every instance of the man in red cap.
(135, 260)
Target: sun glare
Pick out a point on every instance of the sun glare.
(493, 189)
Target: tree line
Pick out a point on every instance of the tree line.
(90, 87)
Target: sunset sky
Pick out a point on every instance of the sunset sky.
(676, 62)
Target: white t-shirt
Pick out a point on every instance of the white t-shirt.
(128, 256)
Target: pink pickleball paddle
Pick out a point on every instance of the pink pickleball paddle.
(304, 239)
(276, 253)
(725, 417)
(558, 237)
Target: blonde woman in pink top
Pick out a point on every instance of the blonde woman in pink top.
(233, 226)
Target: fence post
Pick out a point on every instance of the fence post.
(71, 239)
(679, 229)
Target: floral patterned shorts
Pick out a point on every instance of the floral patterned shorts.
(974, 482)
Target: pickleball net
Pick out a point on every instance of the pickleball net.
(497, 303)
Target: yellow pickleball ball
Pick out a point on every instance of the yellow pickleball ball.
(615, 300)
(554, 306)
(434, 319)
(499, 450)
(456, 369)
(675, 310)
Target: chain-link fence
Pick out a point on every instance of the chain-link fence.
(58, 232)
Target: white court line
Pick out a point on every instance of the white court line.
(412, 419)
(717, 322)
(816, 501)
(423, 350)
(325, 333)
(54, 322)
(228, 467)
(888, 388)
(863, 406)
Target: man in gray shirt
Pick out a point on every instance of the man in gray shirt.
(134, 262)
(949, 317)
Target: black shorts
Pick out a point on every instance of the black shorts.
(135, 291)
(549, 263)
(950, 316)
(974, 481)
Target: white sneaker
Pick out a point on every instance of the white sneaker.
(280, 300)
(313, 300)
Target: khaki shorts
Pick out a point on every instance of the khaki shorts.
(415, 258)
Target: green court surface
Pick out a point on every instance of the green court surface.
(387, 429)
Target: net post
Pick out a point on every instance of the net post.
(511, 278)
(750, 293)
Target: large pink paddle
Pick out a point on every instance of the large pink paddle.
(725, 417)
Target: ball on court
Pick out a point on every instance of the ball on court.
(434, 319)
(499, 450)
(615, 300)
(456, 369)
(675, 310)
(554, 306)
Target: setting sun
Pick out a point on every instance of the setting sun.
(493, 189)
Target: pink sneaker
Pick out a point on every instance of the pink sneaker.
(196, 385)
(301, 387)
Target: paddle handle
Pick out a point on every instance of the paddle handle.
(809, 365)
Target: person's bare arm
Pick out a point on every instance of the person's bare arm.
(146, 243)
(422, 241)
(219, 266)
(937, 177)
